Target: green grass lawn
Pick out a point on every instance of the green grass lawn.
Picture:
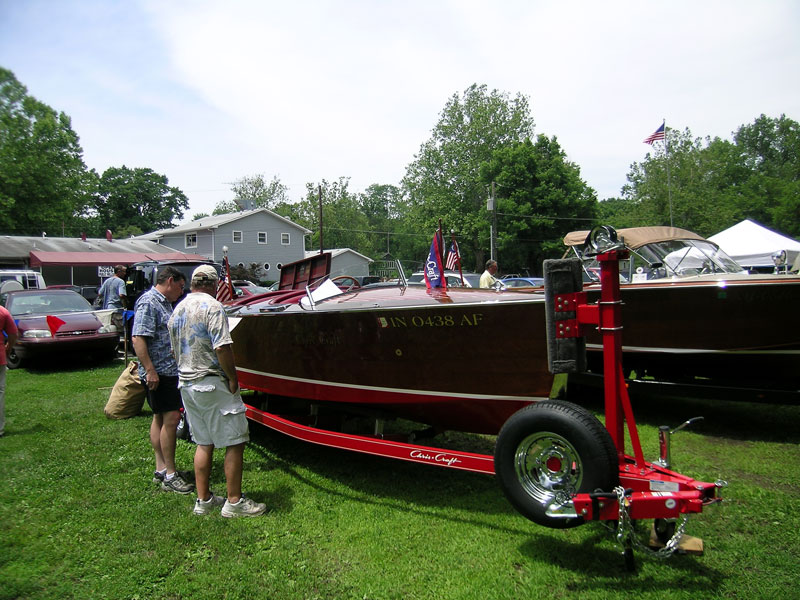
(80, 518)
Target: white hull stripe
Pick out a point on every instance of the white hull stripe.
(650, 349)
(401, 391)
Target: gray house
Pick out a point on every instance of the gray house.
(252, 236)
(345, 261)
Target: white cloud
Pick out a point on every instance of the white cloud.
(207, 92)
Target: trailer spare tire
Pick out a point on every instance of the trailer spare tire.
(548, 451)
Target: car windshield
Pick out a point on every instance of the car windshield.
(46, 303)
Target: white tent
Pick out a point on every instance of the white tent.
(752, 245)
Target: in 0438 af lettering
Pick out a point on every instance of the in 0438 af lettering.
(463, 320)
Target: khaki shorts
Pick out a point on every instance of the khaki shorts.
(216, 417)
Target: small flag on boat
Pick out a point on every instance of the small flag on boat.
(453, 257)
(433, 271)
(224, 291)
(658, 134)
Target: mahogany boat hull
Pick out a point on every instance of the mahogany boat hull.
(733, 330)
(466, 360)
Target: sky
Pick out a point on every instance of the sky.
(208, 92)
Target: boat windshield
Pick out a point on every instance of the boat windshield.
(671, 258)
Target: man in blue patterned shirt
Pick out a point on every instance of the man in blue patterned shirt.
(159, 372)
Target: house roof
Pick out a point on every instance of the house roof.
(214, 221)
(20, 247)
(338, 251)
(84, 259)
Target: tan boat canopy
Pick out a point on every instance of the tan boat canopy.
(636, 237)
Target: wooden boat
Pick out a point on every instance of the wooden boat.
(696, 321)
(447, 359)
(472, 360)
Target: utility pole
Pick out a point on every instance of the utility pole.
(321, 246)
(493, 234)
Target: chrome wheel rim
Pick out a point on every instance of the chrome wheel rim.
(548, 467)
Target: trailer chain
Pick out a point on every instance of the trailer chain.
(625, 530)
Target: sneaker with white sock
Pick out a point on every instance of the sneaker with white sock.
(177, 485)
(245, 507)
(158, 476)
(203, 507)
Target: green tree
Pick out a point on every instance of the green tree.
(688, 184)
(259, 193)
(254, 192)
(343, 223)
(618, 212)
(770, 153)
(712, 184)
(226, 206)
(137, 198)
(380, 204)
(540, 196)
(44, 183)
(444, 182)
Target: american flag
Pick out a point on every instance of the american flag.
(658, 134)
(453, 258)
(224, 291)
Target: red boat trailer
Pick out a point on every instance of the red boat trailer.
(643, 490)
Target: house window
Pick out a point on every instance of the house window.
(191, 240)
(266, 266)
(279, 266)
(237, 237)
(285, 239)
(262, 237)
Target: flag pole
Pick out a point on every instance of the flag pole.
(669, 183)
(458, 255)
(228, 281)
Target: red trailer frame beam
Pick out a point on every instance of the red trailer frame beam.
(454, 459)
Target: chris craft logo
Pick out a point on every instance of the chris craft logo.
(439, 457)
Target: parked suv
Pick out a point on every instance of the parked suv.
(29, 280)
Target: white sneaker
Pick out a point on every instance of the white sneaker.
(203, 507)
(243, 508)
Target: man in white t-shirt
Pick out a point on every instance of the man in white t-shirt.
(203, 349)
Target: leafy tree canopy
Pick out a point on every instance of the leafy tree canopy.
(44, 183)
(708, 185)
(540, 196)
(443, 182)
(380, 205)
(136, 198)
(343, 223)
(254, 192)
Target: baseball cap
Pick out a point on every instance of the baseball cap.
(205, 273)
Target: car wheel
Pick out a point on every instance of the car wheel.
(549, 451)
(13, 360)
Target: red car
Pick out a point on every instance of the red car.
(56, 323)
